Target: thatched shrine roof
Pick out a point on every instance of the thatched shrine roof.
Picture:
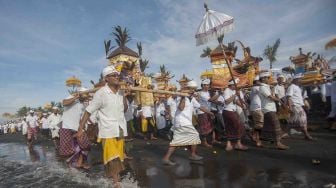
(122, 50)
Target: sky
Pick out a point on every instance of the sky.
(42, 43)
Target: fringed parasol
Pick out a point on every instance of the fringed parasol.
(213, 25)
(331, 44)
(73, 83)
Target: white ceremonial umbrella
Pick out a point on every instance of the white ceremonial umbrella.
(213, 25)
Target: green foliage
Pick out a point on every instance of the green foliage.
(108, 46)
(206, 52)
(139, 46)
(271, 51)
(220, 39)
(164, 71)
(121, 36)
(143, 64)
(22, 111)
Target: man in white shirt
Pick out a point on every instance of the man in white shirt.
(32, 123)
(147, 122)
(76, 149)
(111, 105)
(45, 125)
(271, 129)
(54, 121)
(279, 89)
(280, 93)
(24, 127)
(129, 116)
(219, 114)
(172, 105)
(234, 128)
(327, 88)
(332, 113)
(205, 121)
(298, 117)
(255, 110)
(185, 133)
(160, 113)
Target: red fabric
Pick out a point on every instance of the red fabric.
(233, 127)
(205, 124)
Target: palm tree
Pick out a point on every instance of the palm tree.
(164, 71)
(220, 39)
(121, 36)
(7, 115)
(22, 111)
(271, 51)
(206, 52)
(139, 46)
(108, 46)
(143, 62)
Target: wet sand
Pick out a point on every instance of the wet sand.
(257, 167)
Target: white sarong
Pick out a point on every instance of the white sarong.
(184, 136)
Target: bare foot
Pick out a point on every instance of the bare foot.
(229, 148)
(259, 145)
(85, 166)
(207, 145)
(216, 142)
(128, 157)
(281, 146)
(310, 138)
(241, 147)
(284, 136)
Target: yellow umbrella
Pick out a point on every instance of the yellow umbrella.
(73, 83)
(207, 74)
(47, 106)
(331, 44)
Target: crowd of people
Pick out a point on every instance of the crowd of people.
(110, 116)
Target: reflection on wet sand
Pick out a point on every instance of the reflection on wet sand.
(146, 170)
(33, 154)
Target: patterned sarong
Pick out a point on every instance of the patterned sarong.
(32, 132)
(298, 119)
(271, 130)
(234, 129)
(205, 124)
(258, 119)
(92, 132)
(72, 147)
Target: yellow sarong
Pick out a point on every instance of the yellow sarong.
(145, 124)
(112, 148)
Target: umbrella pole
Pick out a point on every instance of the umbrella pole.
(231, 74)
